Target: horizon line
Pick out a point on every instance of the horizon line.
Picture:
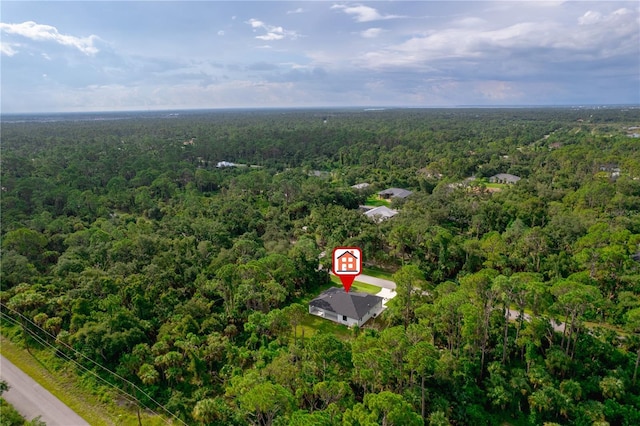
(351, 107)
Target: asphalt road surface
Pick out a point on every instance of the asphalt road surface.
(379, 282)
(32, 400)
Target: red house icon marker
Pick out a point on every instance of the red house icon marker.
(347, 262)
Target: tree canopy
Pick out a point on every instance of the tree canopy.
(130, 244)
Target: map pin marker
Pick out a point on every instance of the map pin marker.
(347, 264)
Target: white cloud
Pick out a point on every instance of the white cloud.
(255, 23)
(8, 49)
(272, 32)
(274, 35)
(363, 13)
(438, 54)
(372, 32)
(596, 36)
(590, 17)
(40, 32)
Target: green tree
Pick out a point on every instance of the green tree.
(573, 300)
(410, 283)
(384, 408)
(633, 326)
(612, 387)
(438, 418)
(265, 401)
(333, 392)
(421, 359)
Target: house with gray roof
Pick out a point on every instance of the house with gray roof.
(362, 185)
(380, 213)
(390, 193)
(504, 178)
(348, 308)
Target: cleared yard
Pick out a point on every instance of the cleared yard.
(312, 324)
(375, 201)
(357, 286)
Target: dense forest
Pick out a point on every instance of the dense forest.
(128, 249)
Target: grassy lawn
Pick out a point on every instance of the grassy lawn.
(365, 288)
(313, 324)
(378, 273)
(96, 407)
(375, 201)
(496, 185)
(356, 286)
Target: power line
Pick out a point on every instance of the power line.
(133, 385)
(68, 358)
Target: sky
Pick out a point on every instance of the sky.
(64, 56)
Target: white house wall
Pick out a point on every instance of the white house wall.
(350, 322)
(374, 310)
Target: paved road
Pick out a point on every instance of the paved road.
(557, 326)
(32, 400)
(379, 282)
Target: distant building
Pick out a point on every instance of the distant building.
(466, 183)
(381, 213)
(390, 193)
(504, 178)
(612, 169)
(225, 164)
(362, 185)
(319, 173)
(348, 308)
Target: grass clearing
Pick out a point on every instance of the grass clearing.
(365, 288)
(312, 324)
(496, 185)
(96, 407)
(356, 286)
(373, 200)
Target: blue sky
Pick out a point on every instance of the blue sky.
(148, 55)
